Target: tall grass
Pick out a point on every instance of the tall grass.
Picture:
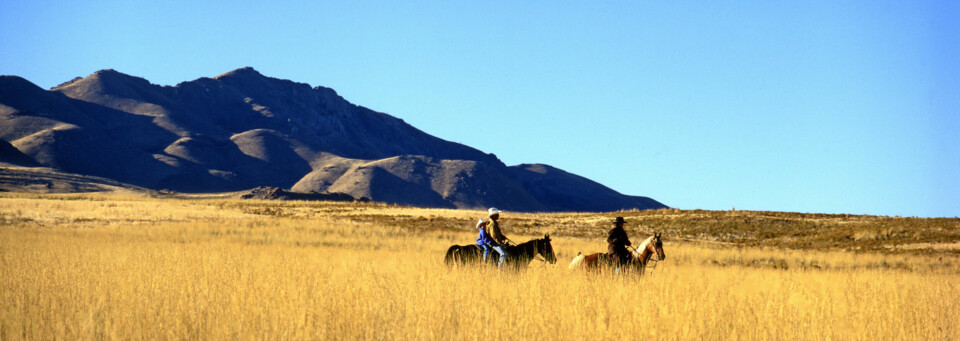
(183, 269)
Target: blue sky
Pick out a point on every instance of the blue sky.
(814, 106)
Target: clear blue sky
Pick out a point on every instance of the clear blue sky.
(807, 106)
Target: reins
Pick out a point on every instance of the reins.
(537, 256)
(653, 257)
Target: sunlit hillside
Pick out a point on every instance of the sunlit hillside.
(98, 266)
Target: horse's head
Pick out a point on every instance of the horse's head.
(546, 250)
(656, 246)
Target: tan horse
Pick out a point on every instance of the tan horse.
(638, 261)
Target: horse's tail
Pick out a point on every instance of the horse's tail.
(577, 261)
(453, 255)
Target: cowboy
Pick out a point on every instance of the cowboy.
(618, 242)
(498, 239)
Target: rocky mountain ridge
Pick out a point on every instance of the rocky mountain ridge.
(241, 130)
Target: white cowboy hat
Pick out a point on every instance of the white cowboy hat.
(480, 223)
(494, 210)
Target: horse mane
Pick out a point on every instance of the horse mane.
(529, 249)
(644, 244)
(531, 244)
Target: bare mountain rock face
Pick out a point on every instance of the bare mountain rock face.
(242, 130)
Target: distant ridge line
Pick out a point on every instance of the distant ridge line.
(241, 130)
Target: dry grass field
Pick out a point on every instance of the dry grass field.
(100, 266)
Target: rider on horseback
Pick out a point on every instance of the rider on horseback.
(498, 239)
(618, 242)
(483, 240)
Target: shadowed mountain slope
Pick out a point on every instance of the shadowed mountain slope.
(10, 155)
(562, 191)
(241, 130)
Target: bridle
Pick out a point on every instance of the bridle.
(543, 261)
(653, 257)
(536, 253)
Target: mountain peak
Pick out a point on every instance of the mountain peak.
(114, 75)
(243, 129)
(7, 83)
(107, 72)
(245, 71)
(106, 77)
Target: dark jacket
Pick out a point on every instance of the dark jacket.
(618, 242)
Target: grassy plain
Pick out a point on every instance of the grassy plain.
(95, 266)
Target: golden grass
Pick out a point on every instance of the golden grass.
(102, 267)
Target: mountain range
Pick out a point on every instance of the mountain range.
(242, 129)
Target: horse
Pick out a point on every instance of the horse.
(463, 255)
(638, 260)
(518, 256)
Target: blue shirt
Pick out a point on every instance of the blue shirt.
(484, 238)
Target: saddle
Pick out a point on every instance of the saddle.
(611, 260)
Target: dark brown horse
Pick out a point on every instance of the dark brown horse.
(637, 264)
(463, 255)
(518, 256)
